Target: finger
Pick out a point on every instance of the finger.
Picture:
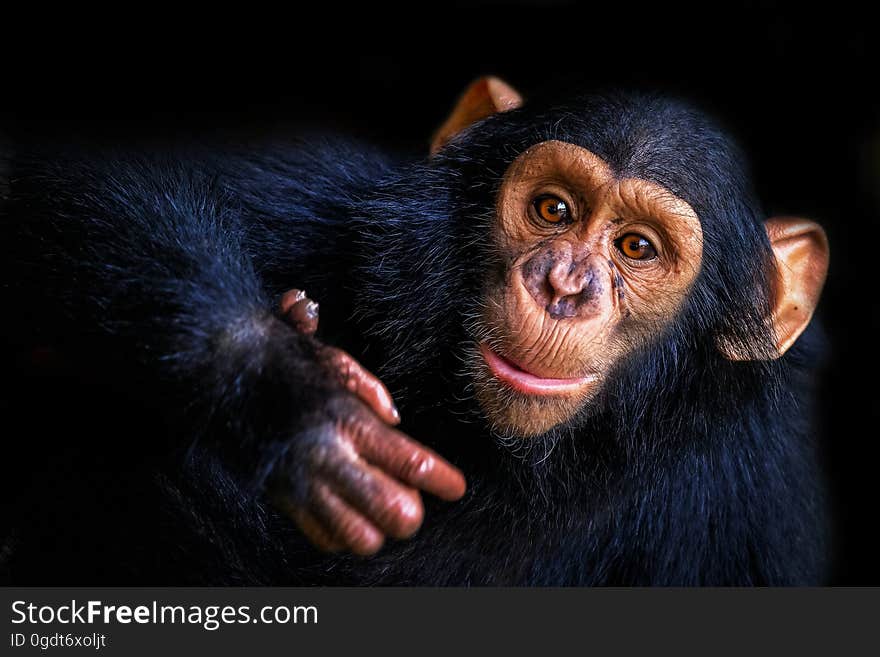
(344, 523)
(318, 535)
(394, 508)
(410, 462)
(289, 298)
(299, 311)
(367, 387)
(303, 316)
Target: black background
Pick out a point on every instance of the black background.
(797, 86)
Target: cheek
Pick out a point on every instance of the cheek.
(647, 300)
(535, 267)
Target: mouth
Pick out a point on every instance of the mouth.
(517, 378)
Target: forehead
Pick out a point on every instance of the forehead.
(641, 136)
(588, 175)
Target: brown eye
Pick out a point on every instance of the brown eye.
(552, 209)
(636, 247)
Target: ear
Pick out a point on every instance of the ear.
(801, 252)
(484, 97)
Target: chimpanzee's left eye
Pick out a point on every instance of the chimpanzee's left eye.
(552, 209)
(636, 247)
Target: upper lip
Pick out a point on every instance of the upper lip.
(524, 381)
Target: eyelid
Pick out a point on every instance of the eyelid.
(655, 235)
(621, 244)
(534, 214)
(560, 192)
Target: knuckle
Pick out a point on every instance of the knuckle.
(417, 465)
(393, 508)
(320, 453)
(359, 424)
(344, 407)
(360, 482)
(317, 492)
(336, 360)
(317, 453)
(347, 371)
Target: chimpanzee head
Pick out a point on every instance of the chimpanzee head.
(611, 224)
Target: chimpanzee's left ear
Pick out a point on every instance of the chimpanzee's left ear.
(484, 97)
(801, 251)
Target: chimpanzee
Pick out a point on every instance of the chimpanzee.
(579, 304)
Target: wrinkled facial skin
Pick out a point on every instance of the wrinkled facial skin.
(568, 303)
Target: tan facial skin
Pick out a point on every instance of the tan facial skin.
(572, 303)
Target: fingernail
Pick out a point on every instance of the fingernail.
(395, 413)
(312, 309)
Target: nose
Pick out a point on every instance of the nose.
(568, 278)
(564, 283)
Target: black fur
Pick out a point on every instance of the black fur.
(153, 278)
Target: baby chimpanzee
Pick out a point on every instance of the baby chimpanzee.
(580, 305)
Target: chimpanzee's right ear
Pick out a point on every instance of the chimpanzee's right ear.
(484, 97)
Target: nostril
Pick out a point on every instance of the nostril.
(583, 298)
(562, 308)
(569, 280)
(586, 282)
(561, 285)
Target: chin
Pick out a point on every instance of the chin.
(517, 404)
(513, 414)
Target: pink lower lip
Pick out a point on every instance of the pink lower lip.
(529, 383)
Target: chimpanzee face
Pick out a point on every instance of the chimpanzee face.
(596, 251)
(594, 265)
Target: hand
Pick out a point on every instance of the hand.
(349, 479)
